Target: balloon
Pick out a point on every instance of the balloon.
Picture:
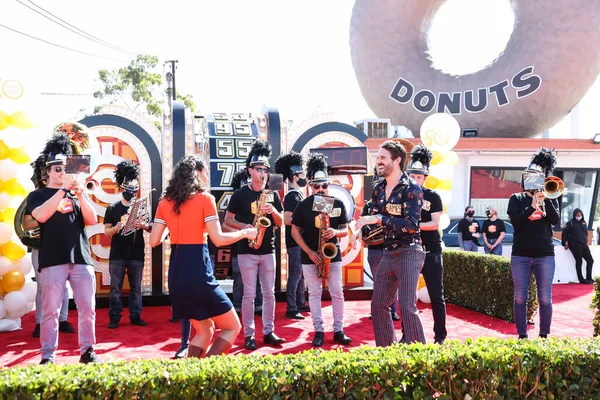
(444, 221)
(442, 171)
(13, 281)
(4, 200)
(4, 120)
(2, 309)
(14, 188)
(15, 302)
(421, 282)
(8, 215)
(437, 157)
(446, 196)
(6, 232)
(4, 150)
(440, 132)
(25, 172)
(446, 184)
(30, 305)
(20, 121)
(5, 265)
(8, 169)
(423, 295)
(1, 292)
(431, 182)
(13, 250)
(30, 290)
(18, 155)
(451, 158)
(24, 265)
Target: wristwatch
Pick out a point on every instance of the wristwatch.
(379, 219)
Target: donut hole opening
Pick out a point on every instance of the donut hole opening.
(467, 36)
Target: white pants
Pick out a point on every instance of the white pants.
(315, 290)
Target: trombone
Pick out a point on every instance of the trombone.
(554, 187)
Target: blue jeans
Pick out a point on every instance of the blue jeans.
(543, 270)
(238, 288)
(117, 270)
(296, 290)
(497, 250)
(374, 258)
(470, 245)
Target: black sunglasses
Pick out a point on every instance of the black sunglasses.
(58, 169)
(320, 185)
(265, 170)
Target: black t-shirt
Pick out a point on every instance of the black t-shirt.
(130, 247)
(307, 220)
(492, 229)
(468, 229)
(367, 229)
(243, 204)
(63, 238)
(291, 200)
(432, 203)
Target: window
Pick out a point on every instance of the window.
(579, 193)
(493, 187)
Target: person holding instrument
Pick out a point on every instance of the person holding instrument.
(532, 215)
(187, 212)
(126, 251)
(255, 206)
(314, 230)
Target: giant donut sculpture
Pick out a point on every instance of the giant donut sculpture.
(550, 61)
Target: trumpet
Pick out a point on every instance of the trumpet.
(90, 185)
(554, 187)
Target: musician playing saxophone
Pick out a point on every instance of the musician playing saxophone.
(247, 205)
(306, 230)
(126, 252)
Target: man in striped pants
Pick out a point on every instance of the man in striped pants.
(397, 201)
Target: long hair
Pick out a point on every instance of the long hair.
(184, 181)
(40, 172)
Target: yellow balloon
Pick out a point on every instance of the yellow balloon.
(421, 282)
(14, 188)
(431, 182)
(8, 215)
(4, 150)
(13, 281)
(19, 120)
(437, 157)
(451, 158)
(446, 184)
(1, 289)
(18, 155)
(4, 120)
(13, 250)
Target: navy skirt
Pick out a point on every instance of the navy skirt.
(194, 291)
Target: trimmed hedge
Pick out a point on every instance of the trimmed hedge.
(596, 306)
(485, 368)
(483, 283)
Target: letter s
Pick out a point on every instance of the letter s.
(527, 84)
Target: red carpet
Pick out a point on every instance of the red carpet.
(160, 339)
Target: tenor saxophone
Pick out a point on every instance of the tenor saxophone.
(326, 250)
(260, 223)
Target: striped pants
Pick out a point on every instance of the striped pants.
(399, 270)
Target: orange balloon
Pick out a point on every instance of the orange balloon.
(4, 150)
(431, 182)
(421, 282)
(13, 281)
(1, 288)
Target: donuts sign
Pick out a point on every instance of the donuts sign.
(523, 83)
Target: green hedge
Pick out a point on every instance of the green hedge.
(596, 306)
(483, 283)
(478, 369)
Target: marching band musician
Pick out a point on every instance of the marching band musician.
(126, 251)
(433, 269)
(291, 167)
(247, 206)
(63, 210)
(397, 202)
(306, 231)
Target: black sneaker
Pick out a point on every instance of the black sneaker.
(306, 308)
(523, 337)
(66, 327)
(294, 315)
(341, 337)
(182, 352)
(438, 341)
(113, 324)
(89, 357)
(138, 322)
(36, 332)
(395, 317)
(543, 336)
(46, 361)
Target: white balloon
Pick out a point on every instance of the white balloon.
(20, 313)
(8, 324)
(15, 201)
(441, 171)
(24, 264)
(8, 169)
(446, 196)
(30, 305)
(6, 232)
(4, 199)
(5, 265)
(2, 309)
(440, 132)
(30, 291)
(15, 302)
(423, 295)
(444, 221)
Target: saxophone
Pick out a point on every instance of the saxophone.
(326, 250)
(261, 223)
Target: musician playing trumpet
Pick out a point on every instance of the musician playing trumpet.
(316, 232)
(126, 251)
(249, 205)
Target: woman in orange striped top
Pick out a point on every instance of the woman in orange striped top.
(189, 214)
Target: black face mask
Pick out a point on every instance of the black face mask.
(470, 214)
(128, 195)
(489, 214)
(302, 182)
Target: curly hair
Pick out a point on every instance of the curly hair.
(184, 181)
(283, 164)
(238, 178)
(127, 170)
(546, 159)
(316, 162)
(40, 172)
(259, 148)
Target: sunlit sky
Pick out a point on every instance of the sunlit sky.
(234, 56)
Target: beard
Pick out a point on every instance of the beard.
(384, 170)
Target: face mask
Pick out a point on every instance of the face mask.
(302, 182)
(578, 218)
(128, 195)
(489, 214)
(470, 214)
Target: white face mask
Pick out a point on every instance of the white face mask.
(578, 218)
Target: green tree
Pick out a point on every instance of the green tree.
(138, 86)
